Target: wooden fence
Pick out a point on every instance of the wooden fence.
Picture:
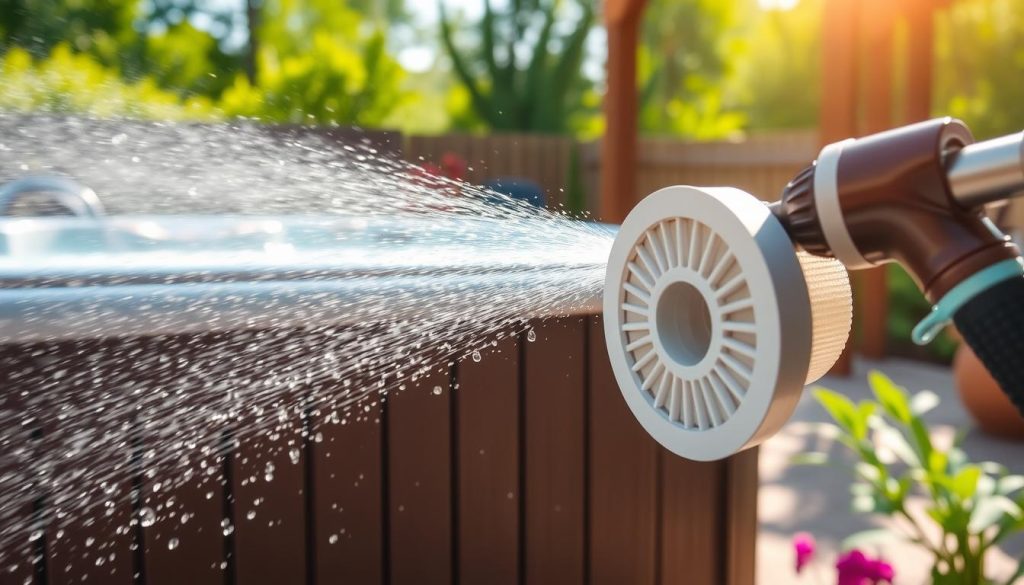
(543, 159)
(760, 164)
(526, 467)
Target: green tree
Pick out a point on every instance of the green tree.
(185, 59)
(71, 82)
(525, 73)
(96, 26)
(687, 53)
(317, 64)
(778, 81)
(980, 58)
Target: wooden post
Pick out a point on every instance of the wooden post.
(877, 25)
(618, 148)
(839, 91)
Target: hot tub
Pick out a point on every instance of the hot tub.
(73, 278)
(522, 467)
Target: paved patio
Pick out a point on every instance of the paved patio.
(816, 499)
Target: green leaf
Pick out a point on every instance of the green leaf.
(957, 459)
(871, 504)
(869, 472)
(861, 489)
(923, 402)
(809, 459)
(965, 482)
(843, 411)
(937, 462)
(1009, 484)
(922, 440)
(989, 511)
(892, 398)
(894, 440)
(866, 538)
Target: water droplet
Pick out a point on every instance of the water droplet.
(333, 539)
(437, 390)
(147, 517)
(250, 514)
(36, 535)
(172, 544)
(531, 335)
(319, 437)
(476, 356)
(294, 455)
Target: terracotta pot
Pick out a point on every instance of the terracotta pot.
(983, 399)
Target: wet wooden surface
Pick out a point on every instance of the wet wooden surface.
(527, 467)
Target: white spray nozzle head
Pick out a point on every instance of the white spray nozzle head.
(714, 322)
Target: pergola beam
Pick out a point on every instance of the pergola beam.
(619, 146)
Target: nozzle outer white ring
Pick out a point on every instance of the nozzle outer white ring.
(830, 213)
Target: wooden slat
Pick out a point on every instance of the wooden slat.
(741, 517)
(623, 475)
(419, 462)
(555, 490)
(691, 522)
(17, 450)
(347, 494)
(89, 449)
(269, 547)
(488, 465)
(176, 549)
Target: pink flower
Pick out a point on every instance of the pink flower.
(803, 546)
(856, 568)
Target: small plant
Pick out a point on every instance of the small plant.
(974, 506)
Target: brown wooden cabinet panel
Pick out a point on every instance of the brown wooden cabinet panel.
(347, 495)
(419, 475)
(623, 480)
(488, 468)
(532, 470)
(555, 453)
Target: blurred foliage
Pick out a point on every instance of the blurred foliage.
(707, 68)
(907, 306)
(187, 60)
(688, 51)
(101, 27)
(980, 51)
(777, 80)
(969, 508)
(317, 65)
(524, 70)
(137, 39)
(76, 82)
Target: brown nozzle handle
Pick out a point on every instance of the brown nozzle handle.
(887, 197)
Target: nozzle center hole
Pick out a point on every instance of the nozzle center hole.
(684, 323)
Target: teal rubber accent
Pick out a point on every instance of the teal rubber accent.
(943, 311)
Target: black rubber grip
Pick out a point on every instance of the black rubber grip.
(992, 323)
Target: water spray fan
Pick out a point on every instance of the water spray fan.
(720, 308)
